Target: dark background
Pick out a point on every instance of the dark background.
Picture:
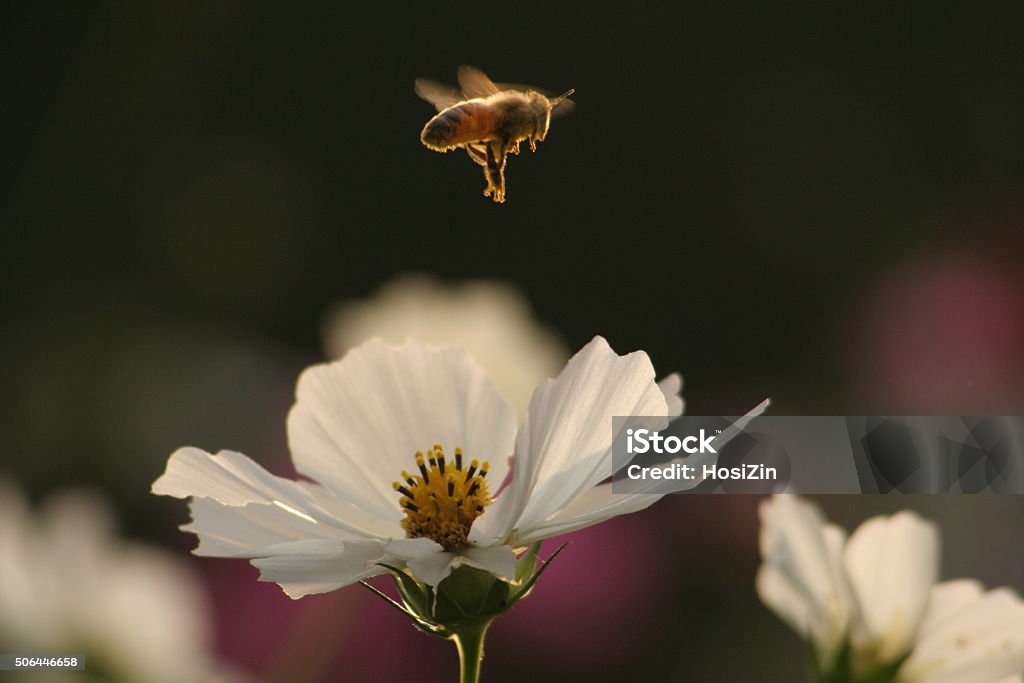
(797, 202)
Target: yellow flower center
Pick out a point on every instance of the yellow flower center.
(443, 500)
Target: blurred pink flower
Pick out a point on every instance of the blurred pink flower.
(597, 599)
(943, 334)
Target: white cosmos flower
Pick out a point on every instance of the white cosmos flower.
(802, 578)
(356, 429)
(968, 635)
(875, 595)
(69, 585)
(490, 319)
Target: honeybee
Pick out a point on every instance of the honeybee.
(489, 120)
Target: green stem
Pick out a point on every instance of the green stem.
(469, 639)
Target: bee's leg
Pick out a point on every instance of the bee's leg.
(477, 154)
(495, 171)
(533, 144)
(487, 178)
(515, 148)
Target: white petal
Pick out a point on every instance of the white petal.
(67, 580)
(600, 503)
(412, 548)
(787, 600)
(349, 517)
(945, 600)
(831, 616)
(498, 560)
(432, 569)
(589, 508)
(672, 387)
(564, 446)
(244, 531)
(19, 575)
(435, 567)
(430, 558)
(892, 563)
(229, 478)
(793, 538)
(805, 552)
(318, 566)
(238, 507)
(358, 422)
(968, 637)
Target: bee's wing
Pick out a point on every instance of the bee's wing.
(475, 83)
(563, 107)
(438, 94)
(522, 88)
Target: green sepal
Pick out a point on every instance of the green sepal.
(417, 596)
(468, 599)
(843, 670)
(527, 586)
(526, 564)
(419, 622)
(470, 594)
(463, 605)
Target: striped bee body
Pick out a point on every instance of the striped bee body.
(487, 121)
(459, 125)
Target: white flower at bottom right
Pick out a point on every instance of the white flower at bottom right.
(968, 635)
(871, 607)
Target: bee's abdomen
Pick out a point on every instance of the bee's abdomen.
(458, 125)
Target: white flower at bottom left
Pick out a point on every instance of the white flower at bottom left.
(70, 586)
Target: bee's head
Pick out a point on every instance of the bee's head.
(562, 105)
(557, 106)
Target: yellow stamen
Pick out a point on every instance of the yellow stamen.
(443, 500)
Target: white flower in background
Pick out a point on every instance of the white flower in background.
(69, 585)
(968, 635)
(364, 428)
(490, 319)
(870, 605)
(802, 578)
